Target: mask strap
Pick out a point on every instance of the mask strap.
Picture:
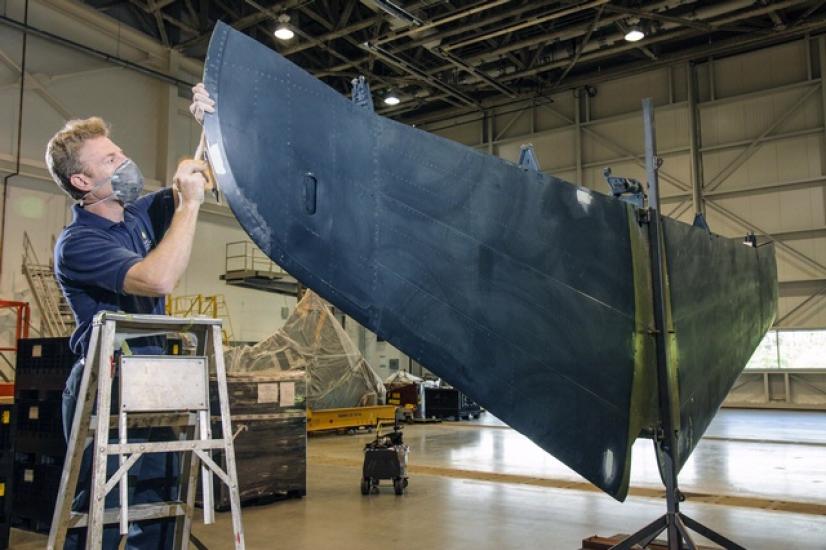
(84, 203)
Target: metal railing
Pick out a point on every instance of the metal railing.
(245, 256)
(195, 305)
(56, 314)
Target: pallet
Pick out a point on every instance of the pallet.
(604, 543)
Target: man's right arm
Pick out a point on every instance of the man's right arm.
(159, 272)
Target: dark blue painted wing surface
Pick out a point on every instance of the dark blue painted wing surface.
(465, 262)
(528, 293)
(723, 300)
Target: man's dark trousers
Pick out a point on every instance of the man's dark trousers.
(155, 479)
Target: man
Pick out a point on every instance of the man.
(121, 252)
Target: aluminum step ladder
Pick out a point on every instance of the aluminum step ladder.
(146, 400)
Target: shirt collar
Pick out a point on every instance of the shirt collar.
(81, 216)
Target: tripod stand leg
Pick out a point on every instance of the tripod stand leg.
(683, 532)
(713, 536)
(644, 536)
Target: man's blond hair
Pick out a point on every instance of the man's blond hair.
(63, 150)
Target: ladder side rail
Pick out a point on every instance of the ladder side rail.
(97, 502)
(77, 442)
(216, 348)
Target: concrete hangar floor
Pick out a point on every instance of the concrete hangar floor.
(758, 477)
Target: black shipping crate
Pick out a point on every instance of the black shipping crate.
(270, 458)
(256, 395)
(6, 430)
(404, 395)
(449, 403)
(53, 444)
(39, 424)
(6, 471)
(40, 416)
(6, 492)
(36, 482)
(43, 364)
(269, 416)
(4, 535)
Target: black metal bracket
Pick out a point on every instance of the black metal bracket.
(625, 189)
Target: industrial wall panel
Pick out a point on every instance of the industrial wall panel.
(614, 97)
(775, 66)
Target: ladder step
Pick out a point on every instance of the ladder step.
(137, 512)
(149, 420)
(165, 446)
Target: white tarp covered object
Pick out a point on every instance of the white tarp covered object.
(313, 340)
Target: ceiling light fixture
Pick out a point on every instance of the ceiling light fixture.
(283, 31)
(392, 99)
(634, 34)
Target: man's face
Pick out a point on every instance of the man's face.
(99, 157)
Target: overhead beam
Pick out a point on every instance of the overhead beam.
(441, 35)
(800, 234)
(618, 46)
(38, 86)
(808, 183)
(684, 21)
(409, 68)
(95, 53)
(532, 22)
(473, 71)
(438, 22)
(580, 47)
(802, 287)
(724, 47)
(243, 23)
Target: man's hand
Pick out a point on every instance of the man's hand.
(190, 180)
(201, 102)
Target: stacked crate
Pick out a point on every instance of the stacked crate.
(43, 365)
(6, 464)
(449, 403)
(269, 418)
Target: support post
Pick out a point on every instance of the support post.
(695, 147)
(821, 51)
(674, 523)
(489, 130)
(578, 135)
(165, 161)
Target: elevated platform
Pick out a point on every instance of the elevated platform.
(247, 267)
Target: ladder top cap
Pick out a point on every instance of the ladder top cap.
(147, 322)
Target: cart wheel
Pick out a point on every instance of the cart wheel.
(398, 485)
(365, 486)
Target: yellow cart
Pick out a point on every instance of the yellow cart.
(349, 418)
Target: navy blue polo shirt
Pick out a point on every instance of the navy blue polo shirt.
(93, 254)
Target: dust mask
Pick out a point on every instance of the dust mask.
(127, 185)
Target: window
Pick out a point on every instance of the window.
(790, 349)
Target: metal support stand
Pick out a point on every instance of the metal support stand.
(154, 391)
(675, 523)
(527, 157)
